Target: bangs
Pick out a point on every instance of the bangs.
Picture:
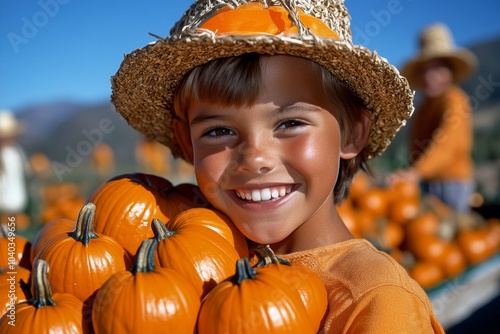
(233, 81)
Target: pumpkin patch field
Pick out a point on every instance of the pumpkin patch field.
(142, 255)
(431, 241)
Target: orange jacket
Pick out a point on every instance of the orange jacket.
(369, 292)
(441, 137)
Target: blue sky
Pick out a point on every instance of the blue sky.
(68, 49)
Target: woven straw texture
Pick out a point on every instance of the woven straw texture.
(143, 87)
(436, 42)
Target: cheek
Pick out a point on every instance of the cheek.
(210, 171)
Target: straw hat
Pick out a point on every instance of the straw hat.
(319, 30)
(436, 42)
(9, 126)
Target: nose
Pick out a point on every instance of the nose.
(256, 155)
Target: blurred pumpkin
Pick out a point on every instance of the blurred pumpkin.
(14, 283)
(427, 274)
(14, 249)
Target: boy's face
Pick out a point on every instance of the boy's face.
(271, 166)
(435, 77)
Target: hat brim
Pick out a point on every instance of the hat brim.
(143, 88)
(462, 61)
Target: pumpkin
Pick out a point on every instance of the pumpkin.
(375, 201)
(14, 249)
(45, 312)
(220, 223)
(403, 210)
(83, 260)
(300, 278)
(427, 274)
(477, 244)
(126, 205)
(14, 287)
(200, 254)
(454, 261)
(253, 301)
(359, 185)
(158, 300)
(405, 189)
(431, 249)
(48, 231)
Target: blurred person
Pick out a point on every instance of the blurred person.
(441, 132)
(14, 167)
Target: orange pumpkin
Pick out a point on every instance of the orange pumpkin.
(14, 282)
(83, 260)
(46, 312)
(126, 205)
(220, 223)
(427, 274)
(253, 301)
(48, 231)
(200, 254)
(300, 278)
(158, 299)
(403, 210)
(375, 201)
(477, 244)
(14, 249)
(454, 261)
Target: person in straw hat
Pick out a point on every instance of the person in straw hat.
(277, 110)
(14, 167)
(441, 133)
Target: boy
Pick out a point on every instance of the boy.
(441, 134)
(276, 110)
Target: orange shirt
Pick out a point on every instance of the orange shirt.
(441, 137)
(369, 292)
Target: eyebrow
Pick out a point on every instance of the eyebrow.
(293, 107)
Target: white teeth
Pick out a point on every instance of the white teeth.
(266, 194)
(257, 195)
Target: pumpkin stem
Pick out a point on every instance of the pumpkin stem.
(84, 230)
(160, 230)
(244, 270)
(145, 260)
(265, 255)
(42, 293)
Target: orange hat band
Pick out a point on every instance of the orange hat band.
(254, 19)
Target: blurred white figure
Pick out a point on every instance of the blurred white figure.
(14, 167)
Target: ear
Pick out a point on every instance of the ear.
(183, 136)
(358, 136)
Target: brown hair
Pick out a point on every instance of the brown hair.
(236, 81)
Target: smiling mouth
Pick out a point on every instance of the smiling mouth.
(265, 194)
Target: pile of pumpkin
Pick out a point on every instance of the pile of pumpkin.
(146, 256)
(424, 235)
